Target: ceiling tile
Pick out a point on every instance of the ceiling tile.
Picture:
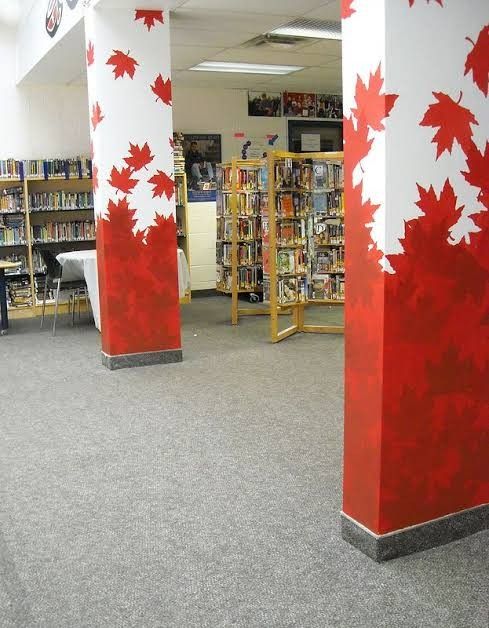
(244, 22)
(270, 7)
(183, 57)
(329, 11)
(219, 79)
(221, 39)
(330, 47)
(263, 54)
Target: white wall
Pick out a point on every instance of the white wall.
(39, 121)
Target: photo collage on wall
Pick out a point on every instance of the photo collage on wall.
(295, 105)
(201, 152)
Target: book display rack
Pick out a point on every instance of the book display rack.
(43, 204)
(241, 196)
(181, 212)
(303, 238)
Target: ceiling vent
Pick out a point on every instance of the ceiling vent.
(277, 42)
(316, 29)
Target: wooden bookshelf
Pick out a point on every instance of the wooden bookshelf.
(304, 252)
(241, 194)
(58, 224)
(181, 209)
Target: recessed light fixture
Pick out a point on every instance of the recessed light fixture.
(245, 68)
(315, 29)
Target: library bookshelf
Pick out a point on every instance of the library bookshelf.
(303, 249)
(42, 210)
(241, 195)
(181, 209)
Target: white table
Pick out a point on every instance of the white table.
(83, 265)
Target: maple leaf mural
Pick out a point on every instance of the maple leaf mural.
(94, 177)
(97, 116)
(130, 317)
(453, 120)
(347, 9)
(123, 64)
(478, 171)
(477, 60)
(121, 179)
(90, 53)
(139, 157)
(162, 89)
(440, 2)
(373, 106)
(149, 17)
(163, 184)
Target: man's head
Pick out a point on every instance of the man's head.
(193, 147)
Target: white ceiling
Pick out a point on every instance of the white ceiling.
(206, 30)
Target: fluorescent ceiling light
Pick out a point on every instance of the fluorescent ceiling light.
(315, 29)
(245, 68)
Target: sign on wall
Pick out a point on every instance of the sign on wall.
(202, 152)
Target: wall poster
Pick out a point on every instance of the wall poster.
(299, 105)
(329, 106)
(267, 104)
(202, 152)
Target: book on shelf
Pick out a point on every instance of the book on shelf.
(12, 200)
(19, 292)
(327, 287)
(329, 261)
(16, 258)
(326, 233)
(291, 262)
(12, 230)
(292, 290)
(63, 231)
(60, 200)
(66, 168)
(290, 233)
(178, 155)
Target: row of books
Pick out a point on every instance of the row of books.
(252, 178)
(19, 292)
(63, 231)
(291, 232)
(327, 233)
(12, 230)
(71, 168)
(330, 203)
(290, 205)
(55, 201)
(178, 155)
(291, 262)
(246, 204)
(300, 289)
(329, 261)
(248, 278)
(179, 191)
(15, 258)
(248, 253)
(247, 228)
(317, 175)
(12, 200)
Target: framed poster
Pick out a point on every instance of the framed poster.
(268, 104)
(329, 106)
(202, 152)
(299, 105)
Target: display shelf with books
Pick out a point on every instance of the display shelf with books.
(181, 212)
(241, 201)
(304, 251)
(45, 203)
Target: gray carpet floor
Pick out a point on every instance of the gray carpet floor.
(203, 494)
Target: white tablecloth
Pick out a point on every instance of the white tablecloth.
(83, 265)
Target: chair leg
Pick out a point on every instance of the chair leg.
(86, 302)
(74, 293)
(79, 304)
(44, 301)
(56, 301)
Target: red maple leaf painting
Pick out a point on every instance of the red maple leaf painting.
(453, 121)
(372, 105)
(357, 144)
(478, 61)
(139, 157)
(172, 143)
(149, 17)
(440, 2)
(346, 9)
(97, 116)
(94, 177)
(163, 184)
(478, 172)
(90, 53)
(162, 89)
(123, 64)
(122, 180)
